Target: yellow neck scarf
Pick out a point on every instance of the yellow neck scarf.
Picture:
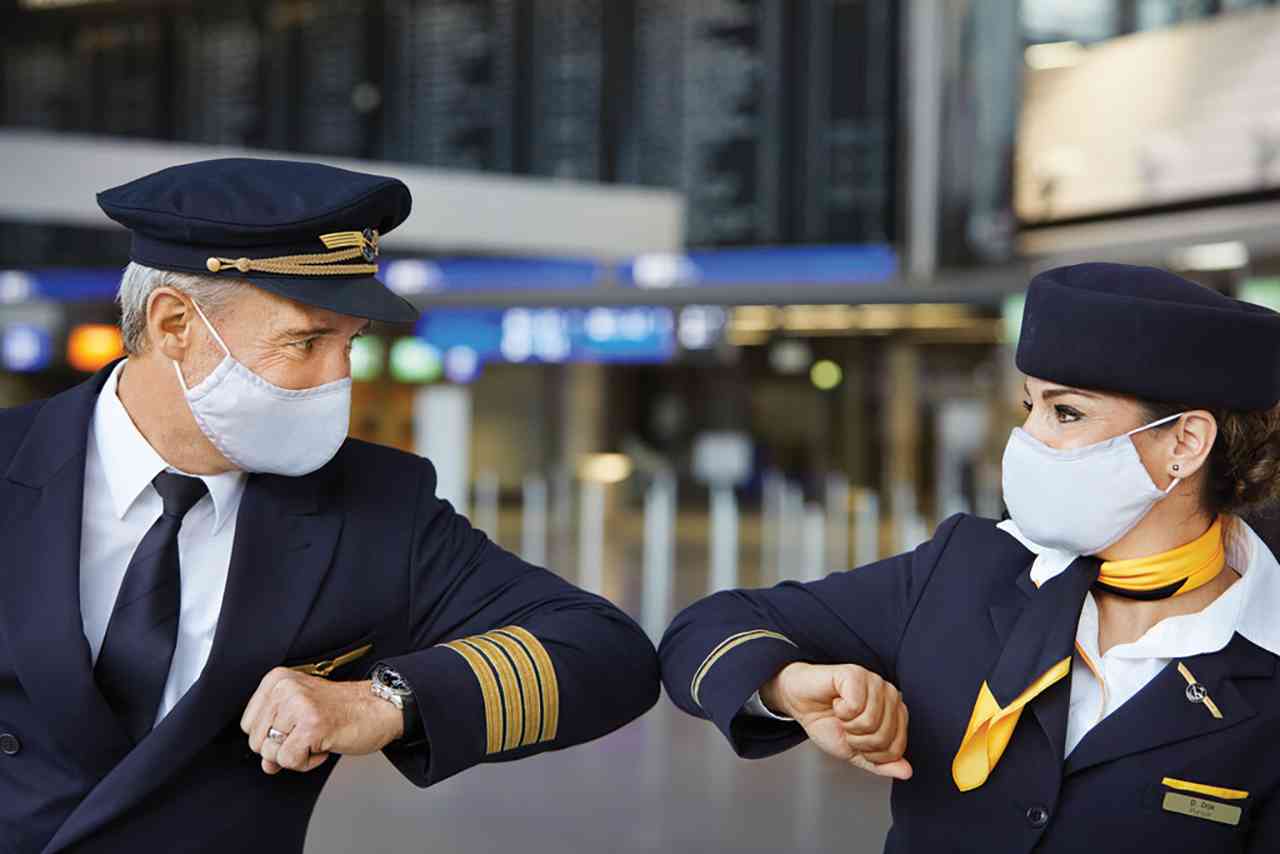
(1171, 573)
(1190, 566)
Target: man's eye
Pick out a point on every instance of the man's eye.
(305, 345)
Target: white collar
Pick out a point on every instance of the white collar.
(130, 463)
(1247, 607)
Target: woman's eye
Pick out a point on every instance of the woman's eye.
(1026, 404)
(1066, 414)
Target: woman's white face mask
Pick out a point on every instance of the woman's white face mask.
(260, 427)
(1080, 500)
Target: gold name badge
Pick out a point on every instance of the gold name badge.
(1199, 808)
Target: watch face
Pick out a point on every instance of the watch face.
(388, 678)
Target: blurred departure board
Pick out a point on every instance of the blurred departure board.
(315, 77)
(845, 180)
(567, 69)
(114, 85)
(708, 78)
(776, 119)
(37, 84)
(219, 76)
(451, 83)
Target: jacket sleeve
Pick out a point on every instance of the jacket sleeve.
(510, 659)
(722, 649)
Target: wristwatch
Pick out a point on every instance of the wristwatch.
(388, 684)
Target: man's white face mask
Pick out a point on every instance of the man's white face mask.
(260, 427)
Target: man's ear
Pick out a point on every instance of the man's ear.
(169, 323)
(1195, 433)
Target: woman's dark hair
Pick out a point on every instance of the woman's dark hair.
(1243, 470)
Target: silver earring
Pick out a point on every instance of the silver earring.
(1175, 466)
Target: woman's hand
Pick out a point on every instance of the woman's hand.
(846, 710)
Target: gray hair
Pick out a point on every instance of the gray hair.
(139, 281)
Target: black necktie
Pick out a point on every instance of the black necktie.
(133, 663)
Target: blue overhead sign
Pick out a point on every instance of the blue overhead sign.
(779, 265)
(411, 276)
(849, 264)
(59, 285)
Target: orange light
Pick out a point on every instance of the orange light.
(90, 346)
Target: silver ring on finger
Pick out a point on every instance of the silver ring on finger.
(276, 735)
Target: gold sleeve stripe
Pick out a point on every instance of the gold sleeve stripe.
(489, 690)
(529, 684)
(513, 721)
(723, 648)
(549, 685)
(518, 682)
(504, 702)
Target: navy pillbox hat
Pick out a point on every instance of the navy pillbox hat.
(1149, 333)
(305, 231)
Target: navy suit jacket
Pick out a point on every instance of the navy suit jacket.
(932, 622)
(360, 552)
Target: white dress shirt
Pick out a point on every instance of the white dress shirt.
(120, 506)
(1248, 606)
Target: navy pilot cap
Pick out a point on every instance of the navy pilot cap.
(304, 231)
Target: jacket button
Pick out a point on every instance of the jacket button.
(1037, 816)
(9, 744)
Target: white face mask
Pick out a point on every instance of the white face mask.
(1079, 500)
(260, 427)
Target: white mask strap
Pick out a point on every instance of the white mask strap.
(1176, 479)
(1155, 423)
(216, 337)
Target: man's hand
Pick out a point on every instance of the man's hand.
(846, 710)
(320, 717)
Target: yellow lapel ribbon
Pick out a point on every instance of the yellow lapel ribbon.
(991, 726)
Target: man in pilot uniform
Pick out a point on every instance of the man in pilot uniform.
(210, 592)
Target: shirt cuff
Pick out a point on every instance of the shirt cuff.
(755, 706)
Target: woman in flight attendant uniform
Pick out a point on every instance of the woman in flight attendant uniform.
(1099, 671)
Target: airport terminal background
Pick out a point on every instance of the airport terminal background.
(785, 350)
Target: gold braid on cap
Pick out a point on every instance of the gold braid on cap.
(349, 245)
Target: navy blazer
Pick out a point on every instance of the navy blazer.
(358, 553)
(932, 622)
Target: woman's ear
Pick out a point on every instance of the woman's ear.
(1193, 437)
(169, 326)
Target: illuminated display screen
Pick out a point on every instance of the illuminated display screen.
(1265, 292)
(415, 361)
(368, 352)
(632, 334)
(25, 348)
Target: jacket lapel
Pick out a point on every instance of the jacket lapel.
(40, 609)
(1051, 707)
(1161, 714)
(286, 532)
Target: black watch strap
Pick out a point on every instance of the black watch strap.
(413, 729)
